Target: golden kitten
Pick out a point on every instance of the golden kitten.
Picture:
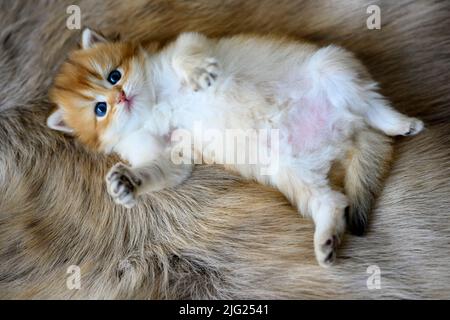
(119, 97)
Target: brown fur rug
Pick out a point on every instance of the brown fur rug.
(217, 236)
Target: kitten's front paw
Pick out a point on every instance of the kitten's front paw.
(203, 75)
(122, 185)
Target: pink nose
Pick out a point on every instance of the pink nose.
(122, 97)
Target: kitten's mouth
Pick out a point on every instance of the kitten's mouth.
(127, 101)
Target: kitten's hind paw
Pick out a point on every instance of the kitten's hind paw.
(122, 185)
(325, 247)
(327, 240)
(406, 126)
(415, 126)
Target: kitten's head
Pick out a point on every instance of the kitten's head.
(100, 91)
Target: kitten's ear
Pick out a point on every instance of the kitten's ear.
(89, 38)
(56, 122)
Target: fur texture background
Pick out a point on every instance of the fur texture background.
(217, 236)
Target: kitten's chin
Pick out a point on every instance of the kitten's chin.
(129, 104)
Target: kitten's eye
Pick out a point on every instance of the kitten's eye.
(100, 109)
(114, 76)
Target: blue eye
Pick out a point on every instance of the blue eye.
(100, 109)
(114, 76)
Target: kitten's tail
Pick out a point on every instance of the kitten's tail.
(367, 164)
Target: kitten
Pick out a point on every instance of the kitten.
(119, 97)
